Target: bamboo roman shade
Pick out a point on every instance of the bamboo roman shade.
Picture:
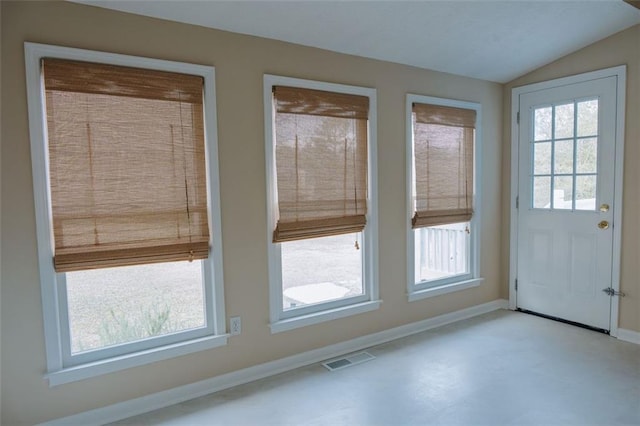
(126, 164)
(321, 162)
(443, 154)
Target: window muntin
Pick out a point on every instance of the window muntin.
(61, 355)
(353, 287)
(443, 254)
(565, 156)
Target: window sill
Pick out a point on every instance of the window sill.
(93, 369)
(444, 289)
(328, 315)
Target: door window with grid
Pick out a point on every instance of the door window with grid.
(565, 156)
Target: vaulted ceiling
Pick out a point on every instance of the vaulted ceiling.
(489, 40)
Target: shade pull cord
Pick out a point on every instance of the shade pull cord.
(355, 166)
(175, 176)
(466, 175)
(355, 173)
(96, 237)
(184, 168)
(297, 175)
(344, 179)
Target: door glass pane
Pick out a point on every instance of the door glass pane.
(541, 192)
(563, 158)
(563, 192)
(542, 158)
(542, 124)
(564, 121)
(587, 155)
(586, 192)
(588, 118)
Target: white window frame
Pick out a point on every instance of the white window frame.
(431, 288)
(280, 319)
(62, 366)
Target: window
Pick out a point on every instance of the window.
(127, 205)
(320, 150)
(442, 180)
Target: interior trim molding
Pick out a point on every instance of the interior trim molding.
(629, 335)
(180, 394)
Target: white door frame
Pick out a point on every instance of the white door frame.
(620, 72)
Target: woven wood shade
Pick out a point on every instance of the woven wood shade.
(127, 165)
(321, 162)
(443, 149)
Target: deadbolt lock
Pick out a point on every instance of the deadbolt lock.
(604, 208)
(603, 224)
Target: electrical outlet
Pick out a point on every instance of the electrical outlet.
(235, 325)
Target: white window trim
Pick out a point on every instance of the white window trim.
(425, 289)
(59, 370)
(279, 320)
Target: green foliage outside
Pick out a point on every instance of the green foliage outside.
(113, 306)
(123, 327)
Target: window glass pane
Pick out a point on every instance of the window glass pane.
(564, 121)
(542, 158)
(563, 157)
(587, 155)
(563, 192)
(441, 251)
(541, 192)
(542, 124)
(319, 270)
(120, 305)
(588, 118)
(586, 192)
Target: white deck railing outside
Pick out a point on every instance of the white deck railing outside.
(443, 250)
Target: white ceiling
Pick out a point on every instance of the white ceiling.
(490, 40)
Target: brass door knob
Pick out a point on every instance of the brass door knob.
(603, 224)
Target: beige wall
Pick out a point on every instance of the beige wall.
(240, 63)
(621, 48)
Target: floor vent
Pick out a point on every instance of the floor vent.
(348, 360)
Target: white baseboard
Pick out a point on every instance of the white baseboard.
(180, 394)
(629, 335)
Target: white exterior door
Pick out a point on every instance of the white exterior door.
(565, 212)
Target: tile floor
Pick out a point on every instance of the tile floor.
(502, 368)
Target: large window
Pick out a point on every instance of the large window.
(442, 159)
(320, 143)
(127, 208)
